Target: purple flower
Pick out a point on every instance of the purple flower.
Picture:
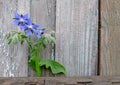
(40, 32)
(26, 24)
(20, 20)
(30, 28)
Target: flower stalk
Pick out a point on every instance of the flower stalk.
(43, 39)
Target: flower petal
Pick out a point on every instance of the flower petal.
(40, 32)
(16, 22)
(23, 26)
(29, 22)
(34, 31)
(38, 35)
(35, 26)
(26, 16)
(16, 15)
(28, 32)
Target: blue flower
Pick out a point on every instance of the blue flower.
(30, 28)
(22, 26)
(20, 20)
(40, 32)
(26, 24)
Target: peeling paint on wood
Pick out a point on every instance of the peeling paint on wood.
(13, 59)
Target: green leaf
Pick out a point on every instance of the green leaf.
(37, 66)
(34, 64)
(22, 41)
(50, 38)
(31, 63)
(23, 36)
(53, 65)
(15, 38)
(33, 52)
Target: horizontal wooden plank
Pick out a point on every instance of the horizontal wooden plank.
(61, 81)
(21, 81)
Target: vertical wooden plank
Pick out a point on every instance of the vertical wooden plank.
(13, 59)
(110, 37)
(77, 36)
(43, 12)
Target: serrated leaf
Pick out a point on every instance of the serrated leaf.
(23, 36)
(15, 38)
(53, 65)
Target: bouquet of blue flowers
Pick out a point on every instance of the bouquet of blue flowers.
(28, 28)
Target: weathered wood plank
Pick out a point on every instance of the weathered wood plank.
(43, 12)
(22, 81)
(61, 81)
(13, 59)
(77, 36)
(110, 37)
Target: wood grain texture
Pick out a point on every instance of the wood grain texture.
(61, 81)
(13, 59)
(43, 12)
(77, 36)
(110, 37)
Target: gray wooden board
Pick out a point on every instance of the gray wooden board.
(13, 59)
(110, 37)
(77, 36)
(43, 12)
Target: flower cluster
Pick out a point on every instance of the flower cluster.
(25, 23)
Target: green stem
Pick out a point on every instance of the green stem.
(38, 52)
(28, 42)
(38, 61)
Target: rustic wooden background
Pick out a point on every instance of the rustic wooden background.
(61, 81)
(87, 36)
